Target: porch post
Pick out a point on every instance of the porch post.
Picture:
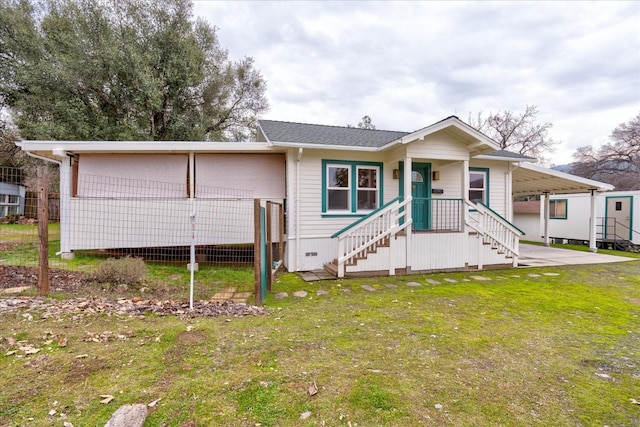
(547, 209)
(407, 210)
(592, 224)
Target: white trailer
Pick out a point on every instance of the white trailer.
(617, 218)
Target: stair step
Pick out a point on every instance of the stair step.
(331, 268)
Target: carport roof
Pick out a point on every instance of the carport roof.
(529, 179)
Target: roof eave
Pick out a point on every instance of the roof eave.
(323, 146)
(502, 158)
(141, 146)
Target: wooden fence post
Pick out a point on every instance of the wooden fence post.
(43, 231)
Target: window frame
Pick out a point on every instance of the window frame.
(552, 210)
(353, 187)
(485, 189)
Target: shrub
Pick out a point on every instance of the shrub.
(122, 271)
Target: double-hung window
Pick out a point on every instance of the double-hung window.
(351, 187)
(479, 185)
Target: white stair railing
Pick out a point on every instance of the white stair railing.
(364, 235)
(495, 230)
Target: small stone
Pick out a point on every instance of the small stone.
(438, 406)
(368, 288)
(305, 415)
(481, 278)
(390, 286)
(128, 416)
(551, 274)
(322, 292)
(433, 282)
(451, 280)
(533, 275)
(281, 295)
(414, 284)
(602, 375)
(300, 294)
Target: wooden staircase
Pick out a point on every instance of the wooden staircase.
(332, 267)
(367, 235)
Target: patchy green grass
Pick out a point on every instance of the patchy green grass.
(540, 346)
(26, 233)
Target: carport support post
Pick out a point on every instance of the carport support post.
(592, 224)
(547, 210)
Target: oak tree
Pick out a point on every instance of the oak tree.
(122, 70)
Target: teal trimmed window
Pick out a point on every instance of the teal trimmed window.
(479, 185)
(558, 208)
(351, 188)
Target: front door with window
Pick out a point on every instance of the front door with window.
(618, 221)
(420, 189)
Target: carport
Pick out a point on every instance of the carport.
(529, 179)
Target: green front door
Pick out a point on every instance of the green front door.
(420, 188)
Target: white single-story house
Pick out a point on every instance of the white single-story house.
(617, 219)
(12, 198)
(357, 200)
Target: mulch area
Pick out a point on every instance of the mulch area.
(85, 300)
(13, 276)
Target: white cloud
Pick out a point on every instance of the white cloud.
(409, 64)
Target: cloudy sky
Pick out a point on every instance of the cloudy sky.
(410, 64)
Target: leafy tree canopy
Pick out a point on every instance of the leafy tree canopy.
(517, 132)
(122, 70)
(616, 163)
(365, 123)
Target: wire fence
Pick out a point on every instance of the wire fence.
(159, 222)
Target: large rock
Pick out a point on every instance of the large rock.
(128, 416)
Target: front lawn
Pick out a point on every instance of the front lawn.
(539, 346)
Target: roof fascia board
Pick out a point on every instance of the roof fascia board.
(506, 159)
(141, 146)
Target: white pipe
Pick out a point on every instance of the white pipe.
(593, 247)
(300, 150)
(547, 214)
(192, 217)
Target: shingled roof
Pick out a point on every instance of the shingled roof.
(321, 135)
(302, 133)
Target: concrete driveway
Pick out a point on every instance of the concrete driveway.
(541, 256)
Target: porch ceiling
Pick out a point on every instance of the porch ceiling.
(529, 179)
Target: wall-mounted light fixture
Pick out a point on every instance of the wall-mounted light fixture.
(435, 175)
(396, 174)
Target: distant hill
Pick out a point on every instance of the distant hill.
(563, 168)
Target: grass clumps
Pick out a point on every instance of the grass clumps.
(115, 272)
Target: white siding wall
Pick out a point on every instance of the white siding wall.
(434, 251)
(499, 176)
(439, 146)
(530, 224)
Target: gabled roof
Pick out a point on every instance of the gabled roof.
(338, 137)
(303, 134)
